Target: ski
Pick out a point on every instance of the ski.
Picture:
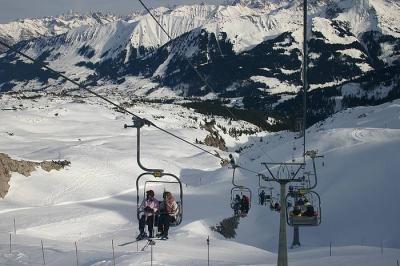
(130, 242)
(151, 239)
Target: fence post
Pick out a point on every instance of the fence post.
(151, 253)
(15, 228)
(330, 249)
(76, 254)
(10, 243)
(44, 261)
(208, 250)
(398, 263)
(112, 243)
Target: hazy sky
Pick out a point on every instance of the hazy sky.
(11, 10)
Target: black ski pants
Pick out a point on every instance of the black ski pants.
(164, 223)
(149, 221)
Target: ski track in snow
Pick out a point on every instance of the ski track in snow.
(69, 202)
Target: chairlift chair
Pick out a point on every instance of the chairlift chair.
(268, 195)
(239, 190)
(315, 220)
(158, 175)
(178, 201)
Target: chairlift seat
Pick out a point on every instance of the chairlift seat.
(304, 220)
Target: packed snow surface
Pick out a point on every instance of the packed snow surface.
(93, 201)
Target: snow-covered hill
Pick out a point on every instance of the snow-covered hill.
(93, 201)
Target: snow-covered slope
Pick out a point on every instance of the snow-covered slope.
(93, 201)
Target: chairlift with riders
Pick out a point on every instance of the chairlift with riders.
(239, 192)
(265, 197)
(306, 210)
(156, 176)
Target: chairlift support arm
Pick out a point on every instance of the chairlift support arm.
(138, 123)
(313, 155)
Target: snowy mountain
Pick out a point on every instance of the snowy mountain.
(26, 29)
(248, 51)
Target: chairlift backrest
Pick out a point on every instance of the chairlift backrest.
(178, 198)
(241, 191)
(310, 212)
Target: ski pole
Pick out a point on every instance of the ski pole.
(112, 243)
(44, 261)
(76, 254)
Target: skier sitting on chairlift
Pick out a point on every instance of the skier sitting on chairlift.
(309, 211)
(245, 205)
(168, 211)
(296, 211)
(300, 202)
(236, 205)
(262, 197)
(148, 208)
(291, 191)
(277, 207)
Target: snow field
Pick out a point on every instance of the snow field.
(94, 200)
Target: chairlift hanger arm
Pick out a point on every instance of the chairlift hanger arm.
(313, 154)
(233, 180)
(138, 124)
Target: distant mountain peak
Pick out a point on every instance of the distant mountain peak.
(259, 4)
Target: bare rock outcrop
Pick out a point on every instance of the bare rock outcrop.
(9, 165)
(213, 139)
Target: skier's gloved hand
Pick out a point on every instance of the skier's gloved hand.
(148, 209)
